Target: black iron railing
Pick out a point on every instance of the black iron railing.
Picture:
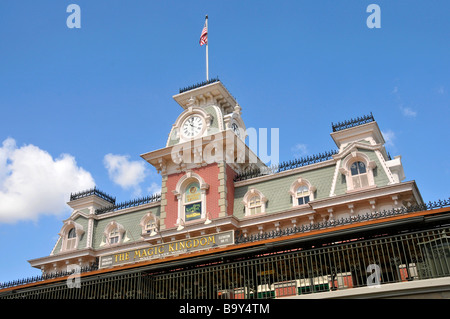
(352, 122)
(285, 166)
(132, 203)
(188, 88)
(240, 238)
(93, 191)
(48, 276)
(324, 268)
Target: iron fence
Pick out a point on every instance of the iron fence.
(325, 268)
(240, 238)
(328, 268)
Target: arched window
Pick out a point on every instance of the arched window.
(359, 174)
(254, 202)
(254, 205)
(149, 226)
(71, 234)
(302, 195)
(302, 192)
(71, 239)
(114, 236)
(192, 202)
(149, 223)
(191, 195)
(358, 171)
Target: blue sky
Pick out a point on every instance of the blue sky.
(78, 106)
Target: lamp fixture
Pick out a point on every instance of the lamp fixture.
(181, 227)
(208, 218)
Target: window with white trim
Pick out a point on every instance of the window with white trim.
(149, 226)
(254, 202)
(149, 223)
(71, 239)
(190, 192)
(254, 205)
(302, 192)
(192, 202)
(358, 171)
(359, 174)
(114, 236)
(70, 234)
(302, 195)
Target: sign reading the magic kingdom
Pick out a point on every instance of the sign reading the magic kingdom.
(168, 249)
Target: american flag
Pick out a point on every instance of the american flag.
(204, 35)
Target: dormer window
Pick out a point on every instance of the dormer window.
(71, 234)
(359, 174)
(114, 236)
(254, 202)
(149, 224)
(149, 227)
(303, 195)
(302, 192)
(255, 205)
(71, 239)
(358, 171)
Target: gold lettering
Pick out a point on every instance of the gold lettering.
(150, 251)
(211, 239)
(182, 245)
(189, 242)
(122, 257)
(137, 253)
(161, 248)
(196, 242)
(171, 247)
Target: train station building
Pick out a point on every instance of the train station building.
(228, 226)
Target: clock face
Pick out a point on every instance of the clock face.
(235, 129)
(192, 126)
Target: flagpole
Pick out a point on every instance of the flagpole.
(207, 62)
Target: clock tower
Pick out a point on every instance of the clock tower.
(205, 149)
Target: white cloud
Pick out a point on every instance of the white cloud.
(125, 173)
(154, 188)
(299, 150)
(408, 112)
(389, 137)
(32, 183)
